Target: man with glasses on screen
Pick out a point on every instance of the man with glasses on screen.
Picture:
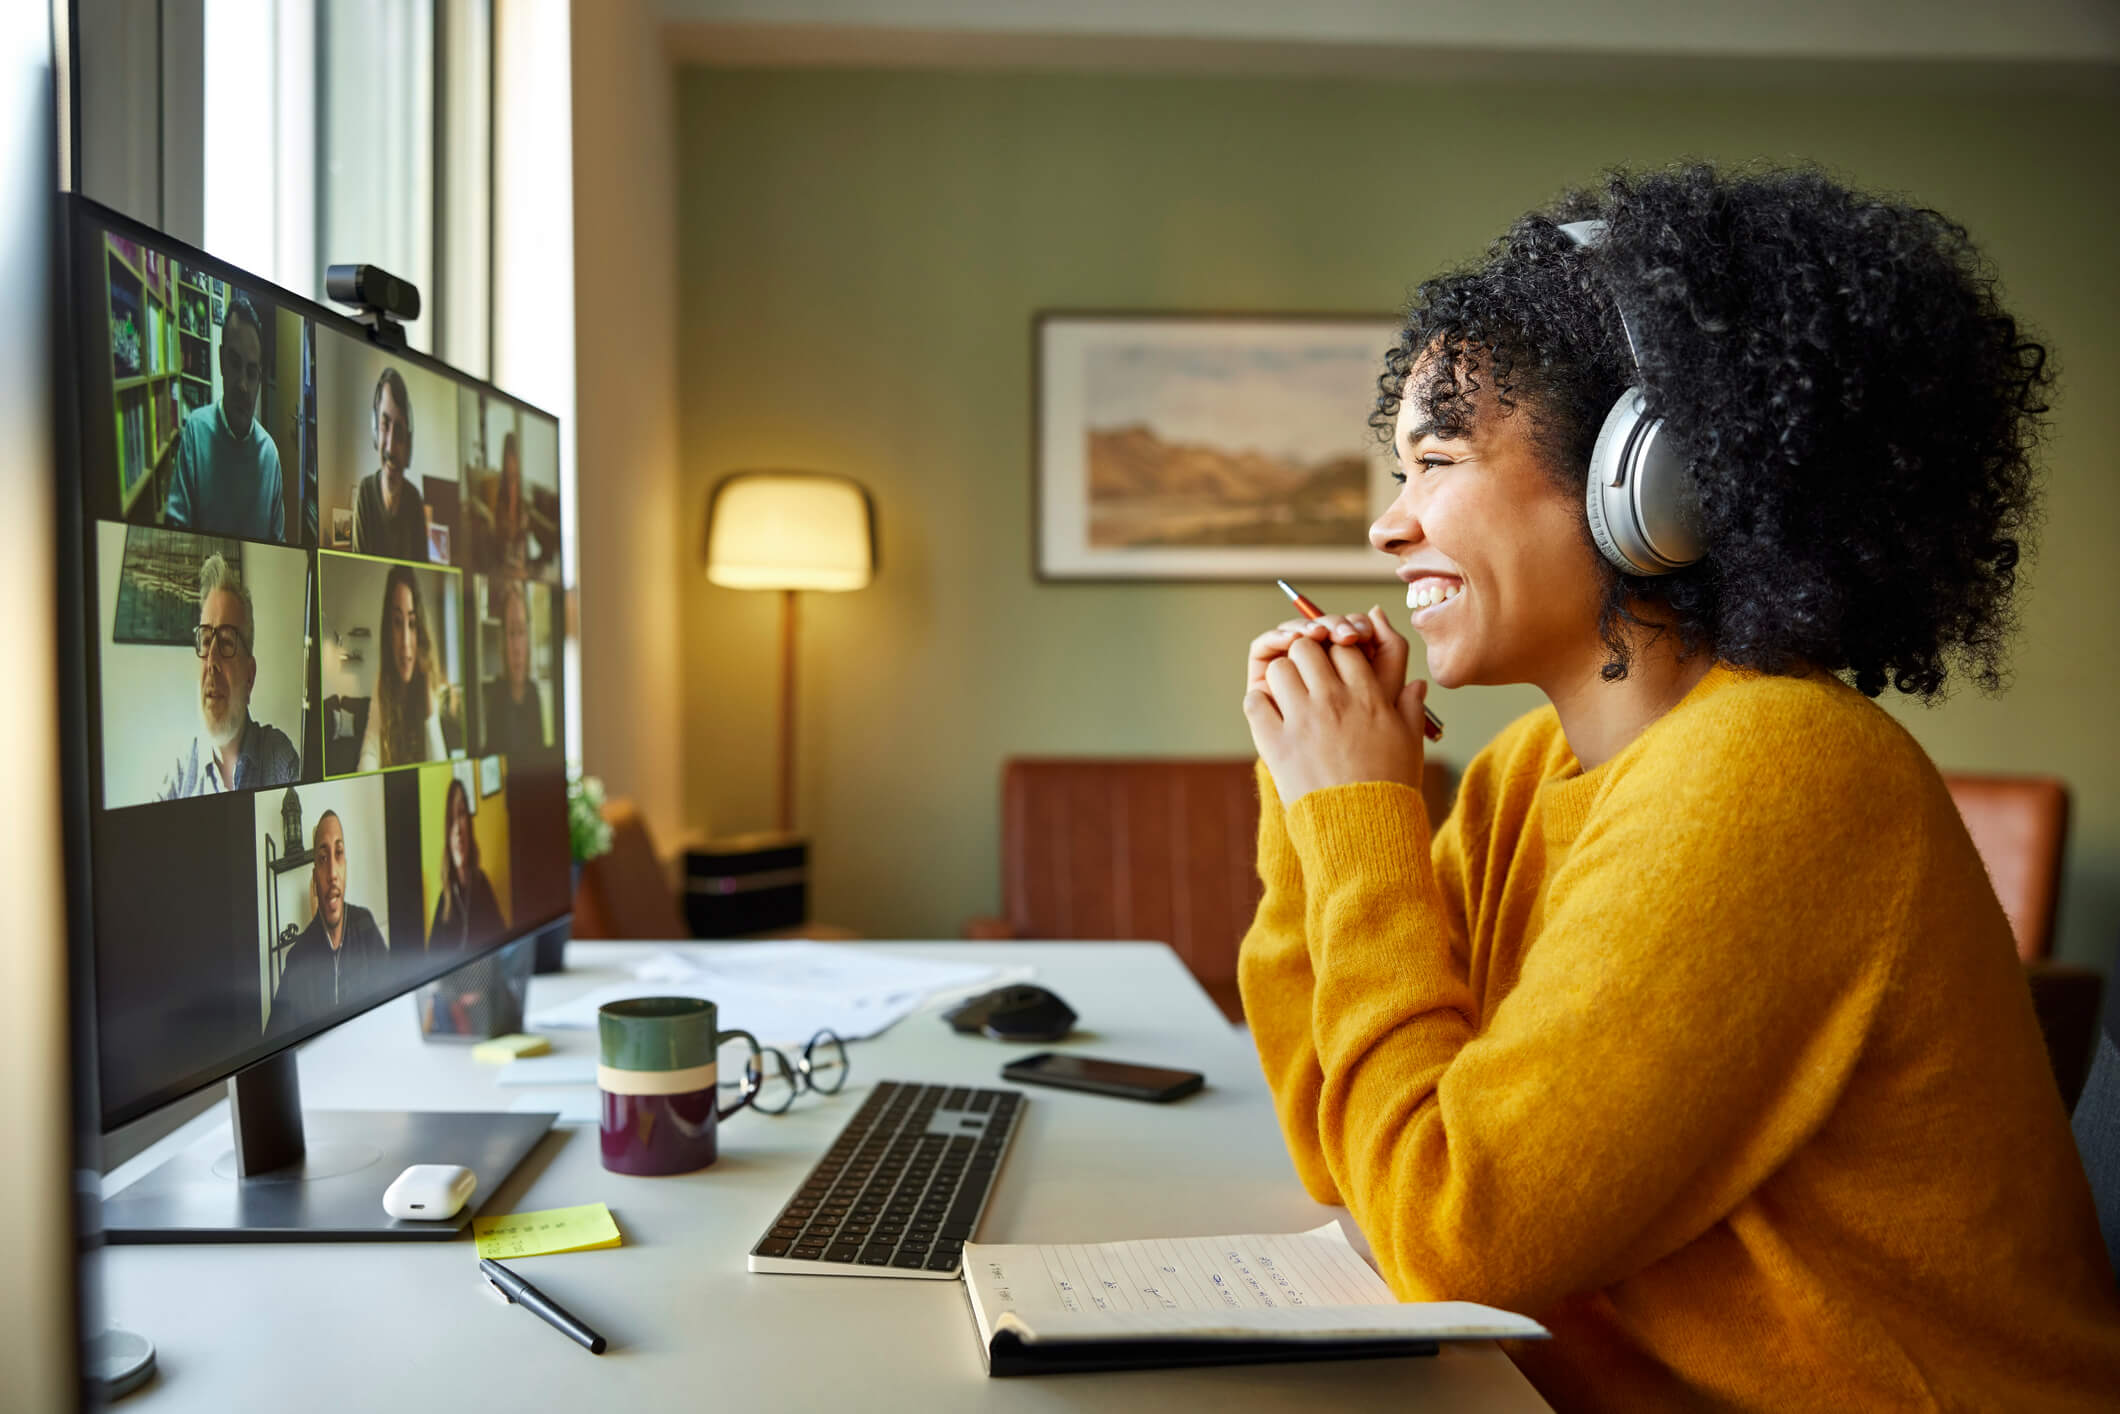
(227, 478)
(340, 957)
(231, 752)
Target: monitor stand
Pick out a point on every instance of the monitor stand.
(286, 1176)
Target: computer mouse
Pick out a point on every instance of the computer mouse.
(1017, 1012)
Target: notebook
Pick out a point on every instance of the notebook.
(1204, 1301)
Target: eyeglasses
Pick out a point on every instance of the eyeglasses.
(775, 1081)
(226, 640)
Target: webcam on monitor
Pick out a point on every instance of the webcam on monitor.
(384, 300)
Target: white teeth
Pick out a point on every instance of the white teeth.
(1422, 597)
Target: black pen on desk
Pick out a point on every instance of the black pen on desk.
(540, 1305)
(1312, 611)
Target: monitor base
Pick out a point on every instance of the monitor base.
(334, 1193)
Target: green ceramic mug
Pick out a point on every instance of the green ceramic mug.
(656, 1069)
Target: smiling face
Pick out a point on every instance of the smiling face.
(1502, 584)
(401, 631)
(393, 432)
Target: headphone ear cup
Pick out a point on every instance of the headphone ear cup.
(1643, 513)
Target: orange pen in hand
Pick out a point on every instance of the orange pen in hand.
(1312, 611)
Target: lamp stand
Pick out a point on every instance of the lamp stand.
(787, 710)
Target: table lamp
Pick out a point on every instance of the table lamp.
(790, 531)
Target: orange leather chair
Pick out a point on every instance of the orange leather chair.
(625, 894)
(1163, 849)
(2020, 826)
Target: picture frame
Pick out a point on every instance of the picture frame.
(1207, 446)
(158, 584)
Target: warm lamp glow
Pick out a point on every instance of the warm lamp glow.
(790, 530)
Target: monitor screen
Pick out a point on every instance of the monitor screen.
(325, 714)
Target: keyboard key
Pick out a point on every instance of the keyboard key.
(842, 1252)
(913, 1261)
(774, 1247)
(944, 1261)
(877, 1254)
(807, 1252)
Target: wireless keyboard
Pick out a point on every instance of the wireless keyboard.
(900, 1190)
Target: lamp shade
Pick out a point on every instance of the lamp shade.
(790, 530)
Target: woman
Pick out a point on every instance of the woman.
(511, 516)
(467, 913)
(404, 723)
(514, 713)
(1695, 1030)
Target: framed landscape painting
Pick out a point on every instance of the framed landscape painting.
(1225, 446)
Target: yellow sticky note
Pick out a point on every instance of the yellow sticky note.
(502, 1049)
(581, 1229)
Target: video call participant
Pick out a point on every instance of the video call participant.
(231, 752)
(468, 912)
(514, 714)
(389, 516)
(227, 477)
(510, 550)
(404, 724)
(340, 957)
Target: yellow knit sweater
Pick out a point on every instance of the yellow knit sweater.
(1716, 1059)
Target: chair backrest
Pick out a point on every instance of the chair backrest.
(1154, 848)
(2097, 1125)
(625, 894)
(2020, 826)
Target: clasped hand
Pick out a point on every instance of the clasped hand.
(1329, 704)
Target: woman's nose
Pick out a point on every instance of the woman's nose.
(1396, 529)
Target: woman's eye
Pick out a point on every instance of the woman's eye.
(1427, 463)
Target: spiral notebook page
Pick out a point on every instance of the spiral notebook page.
(1293, 1286)
(1171, 1274)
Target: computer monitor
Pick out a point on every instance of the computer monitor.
(315, 666)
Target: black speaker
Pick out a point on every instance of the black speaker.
(747, 884)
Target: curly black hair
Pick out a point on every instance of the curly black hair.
(1857, 410)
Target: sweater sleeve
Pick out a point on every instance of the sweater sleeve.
(1712, 952)
(1274, 977)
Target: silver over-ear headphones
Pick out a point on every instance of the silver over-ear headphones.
(1643, 514)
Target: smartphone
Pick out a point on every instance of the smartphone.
(1103, 1077)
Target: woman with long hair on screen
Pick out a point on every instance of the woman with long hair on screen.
(404, 718)
(1694, 1030)
(511, 514)
(467, 913)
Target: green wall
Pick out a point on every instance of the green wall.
(861, 254)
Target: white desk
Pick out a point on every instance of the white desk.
(408, 1326)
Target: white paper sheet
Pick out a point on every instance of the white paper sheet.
(782, 993)
(548, 1070)
(572, 1106)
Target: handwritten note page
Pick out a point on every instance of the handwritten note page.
(578, 1229)
(1290, 1286)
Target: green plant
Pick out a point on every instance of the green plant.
(587, 830)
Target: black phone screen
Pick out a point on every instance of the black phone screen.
(1108, 1077)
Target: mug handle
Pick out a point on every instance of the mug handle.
(754, 1073)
